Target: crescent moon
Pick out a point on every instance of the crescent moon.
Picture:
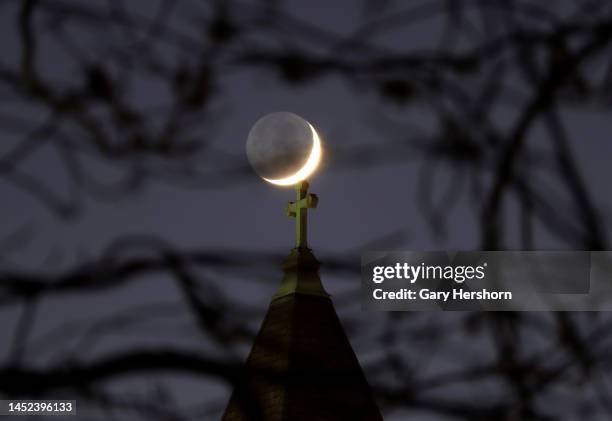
(309, 166)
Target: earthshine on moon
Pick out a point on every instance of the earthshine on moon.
(308, 168)
(283, 148)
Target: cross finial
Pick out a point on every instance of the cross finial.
(299, 209)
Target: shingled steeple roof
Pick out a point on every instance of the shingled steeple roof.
(302, 366)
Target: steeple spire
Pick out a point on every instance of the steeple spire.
(301, 366)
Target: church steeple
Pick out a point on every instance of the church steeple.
(301, 366)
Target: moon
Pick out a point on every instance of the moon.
(283, 148)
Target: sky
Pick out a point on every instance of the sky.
(358, 207)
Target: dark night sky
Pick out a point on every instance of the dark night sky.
(357, 205)
(383, 196)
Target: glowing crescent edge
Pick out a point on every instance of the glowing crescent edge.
(307, 169)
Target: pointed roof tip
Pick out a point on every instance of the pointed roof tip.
(302, 366)
(301, 275)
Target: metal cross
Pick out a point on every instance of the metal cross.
(299, 209)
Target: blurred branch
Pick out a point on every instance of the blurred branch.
(528, 60)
